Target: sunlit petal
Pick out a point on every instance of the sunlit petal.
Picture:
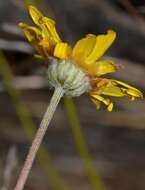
(62, 50)
(35, 14)
(83, 48)
(103, 42)
(105, 66)
(101, 67)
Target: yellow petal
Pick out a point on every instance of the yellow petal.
(37, 56)
(103, 42)
(97, 97)
(100, 67)
(110, 107)
(97, 103)
(112, 91)
(130, 90)
(32, 33)
(100, 98)
(46, 24)
(83, 48)
(104, 67)
(35, 14)
(49, 26)
(62, 50)
(44, 43)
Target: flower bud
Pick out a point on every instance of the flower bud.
(70, 77)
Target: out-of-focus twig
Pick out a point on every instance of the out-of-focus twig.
(10, 166)
(11, 29)
(18, 46)
(141, 9)
(134, 13)
(131, 9)
(25, 83)
(19, 3)
(22, 3)
(116, 16)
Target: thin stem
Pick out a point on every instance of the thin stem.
(43, 157)
(58, 93)
(90, 167)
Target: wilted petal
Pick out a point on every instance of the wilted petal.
(97, 103)
(32, 33)
(46, 24)
(48, 28)
(35, 37)
(112, 91)
(95, 97)
(36, 15)
(127, 89)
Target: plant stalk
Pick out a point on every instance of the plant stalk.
(58, 93)
(90, 167)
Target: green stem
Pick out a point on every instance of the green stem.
(81, 145)
(58, 93)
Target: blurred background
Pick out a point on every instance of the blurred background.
(115, 141)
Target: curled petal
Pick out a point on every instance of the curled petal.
(111, 87)
(127, 89)
(103, 42)
(97, 103)
(62, 50)
(112, 91)
(35, 37)
(97, 98)
(46, 24)
(32, 33)
(48, 28)
(38, 18)
(35, 14)
(116, 88)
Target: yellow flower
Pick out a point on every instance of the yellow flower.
(85, 55)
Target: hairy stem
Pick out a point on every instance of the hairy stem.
(58, 93)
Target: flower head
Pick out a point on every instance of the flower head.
(78, 69)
